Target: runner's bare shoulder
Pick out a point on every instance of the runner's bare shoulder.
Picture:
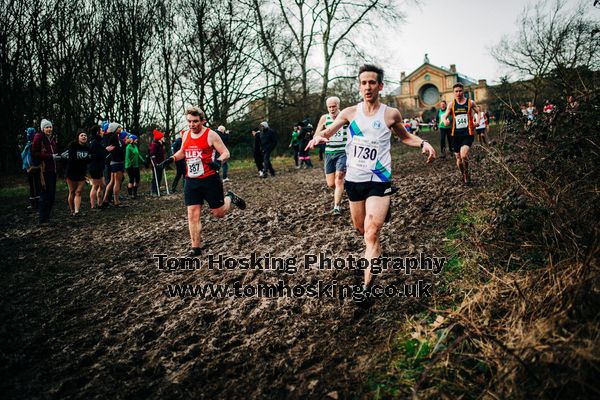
(392, 115)
(348, 113)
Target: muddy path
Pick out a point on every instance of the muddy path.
(85, 312)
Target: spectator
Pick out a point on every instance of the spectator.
(268, 141)
(79, 157)
(33, 171)
(157, 155)
(96, 167)
(258, 156)
(116, 148)
(44, 154)
(224, 135)
(132, 165)
(306, 134)
(179, 165)
(295, 144)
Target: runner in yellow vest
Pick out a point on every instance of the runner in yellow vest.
(465, 116)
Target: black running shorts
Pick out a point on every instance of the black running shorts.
(359, 191)
(460, 141)
(209, 189)
(96, 173)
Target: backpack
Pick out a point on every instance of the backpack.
(26, 159)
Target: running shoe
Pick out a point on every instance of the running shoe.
(336, 211)
(236, 200)
(195, 252)
(226, 180)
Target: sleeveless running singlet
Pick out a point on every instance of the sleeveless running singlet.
(368, 148)
(198, 154)
(440, 121)
(337, 142)
(482, 121)
(463, 125)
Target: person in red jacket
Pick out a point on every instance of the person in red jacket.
(44, 153)
(202, 178)
(157, 154)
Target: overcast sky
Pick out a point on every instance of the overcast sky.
(457, 32)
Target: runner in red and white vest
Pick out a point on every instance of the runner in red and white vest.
(202, 182)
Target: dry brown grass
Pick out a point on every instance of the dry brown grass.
(532, 327)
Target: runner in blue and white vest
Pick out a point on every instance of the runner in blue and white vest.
(369, 162)
(335, 153)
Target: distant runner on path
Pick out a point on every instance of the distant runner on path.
(202, 178)
(369, 161)
(482, 127)
(335, 153)
(465, 116)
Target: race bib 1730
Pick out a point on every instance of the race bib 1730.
(363, 153)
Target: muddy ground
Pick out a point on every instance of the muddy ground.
(85, 313)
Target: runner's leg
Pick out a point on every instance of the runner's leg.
(117, 186)
(71, 199)
(223, 210)
(375, 209)
(339, 188)
(78, 190)
(357, 213)
(464, 155)
(194, 225)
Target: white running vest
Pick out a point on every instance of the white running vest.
(368, 157)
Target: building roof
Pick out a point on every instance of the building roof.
(443, 70)
(467, 80)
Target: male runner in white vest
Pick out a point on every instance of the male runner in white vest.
(369, 162)
(335, 153)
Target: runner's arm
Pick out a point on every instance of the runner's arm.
(320, 126)
(408, 138)
(475, 111)
(180, 154)
(445, 116)
(215, 141)
(322, 136)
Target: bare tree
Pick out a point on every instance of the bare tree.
(551, 39)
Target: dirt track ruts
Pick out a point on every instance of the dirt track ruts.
(85, 313)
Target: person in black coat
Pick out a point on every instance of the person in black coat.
(258, 156)
(179, 165)
(96, 166)
(79, 157)
(268, 141)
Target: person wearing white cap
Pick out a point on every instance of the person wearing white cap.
(268, 141)
(116, 148)
(44, 153)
